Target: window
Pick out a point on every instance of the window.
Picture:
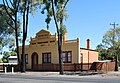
(64, 57)
(26, 58)
(46, 57)
(67, 56)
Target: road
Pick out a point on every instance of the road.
(23, 78)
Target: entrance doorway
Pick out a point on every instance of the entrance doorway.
(34, 59)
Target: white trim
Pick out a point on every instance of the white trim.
(8, 63)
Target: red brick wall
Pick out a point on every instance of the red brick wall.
(89, 55)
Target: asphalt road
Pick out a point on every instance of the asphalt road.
(23, 78)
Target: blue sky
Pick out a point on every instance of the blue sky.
(87, 19)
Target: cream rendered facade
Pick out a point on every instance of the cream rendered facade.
(44, 42)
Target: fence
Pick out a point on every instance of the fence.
(104, 66)
(1, 68)
(66, 66)
(96, 66)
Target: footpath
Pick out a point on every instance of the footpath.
(103, 74)
(110, 73)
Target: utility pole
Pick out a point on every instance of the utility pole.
(116, 56)
(114, 24)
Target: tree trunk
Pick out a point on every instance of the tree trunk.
(23, 41)
(60, 53)
(60, 47)
(23, 57)
(25, 26)
(59, 41)
(16, 37)
(116, 62)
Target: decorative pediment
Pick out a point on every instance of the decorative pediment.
(43, 34)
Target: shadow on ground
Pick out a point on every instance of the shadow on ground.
(83, 73)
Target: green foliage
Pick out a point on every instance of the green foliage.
(13, 52)
(6, 31)
(63, 30)
(102, 52)
(0, 60)
(112, 37)
(6, 55)
(47, 7)
(110, 45)
(33, 5)
(60, 10)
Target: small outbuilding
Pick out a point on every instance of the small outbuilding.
(12, 59)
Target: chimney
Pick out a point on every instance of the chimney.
(88, 43)
(65, 37)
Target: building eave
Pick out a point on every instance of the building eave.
(88, 49)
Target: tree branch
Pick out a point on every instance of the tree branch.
(65, 4)
(10, 24)
(27, 19)
(9, 7)
(7, 11)
(24, 24)
(17, 5)
(11, 3)
(55, 17)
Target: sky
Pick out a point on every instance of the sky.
(88, 19)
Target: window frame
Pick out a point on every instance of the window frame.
(26, 58)
(46, 57)
(66, 57)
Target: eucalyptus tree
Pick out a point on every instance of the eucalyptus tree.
(102, 52)
(6, 31)
(112, 39)
(111, 45)
(24, 7)
(57, 9)
(11, 8)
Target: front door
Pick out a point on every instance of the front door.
(34, 59)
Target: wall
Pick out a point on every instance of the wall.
(89, 55)
(72, 45)
(45, 42)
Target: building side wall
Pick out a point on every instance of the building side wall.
(89, 56)
(93, 56)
